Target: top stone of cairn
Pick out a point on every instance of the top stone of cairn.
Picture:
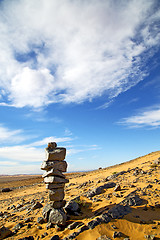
(55, 153)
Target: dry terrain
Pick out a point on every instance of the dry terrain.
(128, 194)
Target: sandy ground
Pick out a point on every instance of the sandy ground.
(135, 225)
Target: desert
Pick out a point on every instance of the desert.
(117, 202)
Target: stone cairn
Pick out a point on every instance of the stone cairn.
(55, 180)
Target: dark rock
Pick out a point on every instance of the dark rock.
(72, 235)
(117, 188)
(5, 232)
(19, 206)
(150, 237)
(55, 237)
(117, 234)
(105, 218)
(6, 190)
(36, 206)
(27, 238)
(40, 220)
(92, 224)
(119, 211)
(73, 225)
(132, 200)
(100, 189)
(72, 206)
(18, 226)
(28, 220)
(82, 229)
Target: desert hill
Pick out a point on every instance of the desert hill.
(118, 202)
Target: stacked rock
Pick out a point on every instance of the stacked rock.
(55, 181)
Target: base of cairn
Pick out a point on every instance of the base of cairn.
(53, 215)
(55, 180)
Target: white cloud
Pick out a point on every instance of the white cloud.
(145, 118)
(73, 51)
(11, 136)
(46, 140)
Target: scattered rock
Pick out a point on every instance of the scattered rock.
(27, 238)
(100, 189)
(36, 206)
(40, 220)
(18, 226)
(55, 237)
(132, 200)
(92, 224)
(119, 211)
(150, 237)
(117, 188)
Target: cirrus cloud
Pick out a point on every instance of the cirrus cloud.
(73, 51)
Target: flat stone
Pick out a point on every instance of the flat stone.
(56, 154)
(53, 172)
(55, 179)
(56, 194)
(57, 216)
(58, 204)
(52, 145)
(58, 165)
(54, 185)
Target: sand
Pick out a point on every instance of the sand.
(134, 225)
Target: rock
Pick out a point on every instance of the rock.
(18, 226)
(36, 206)
(103, 237)
(40, 220)
(6, 190)
(59, 165)
(100, 189)
(150, 237)
(46, 210)
(56, 194)
(56, 154)
(55, 237)
(117, 234)
(132, 200)
(54, 179)
(72, 207)
(92, 224)
(5, 232)
(105, 218)
(53, 172)
(58, 204)
(52, 145)
(54, 185)
(73, 225)
(119, 211)
(117, 188)
(157, 161)
(27, 238)
(57, 216)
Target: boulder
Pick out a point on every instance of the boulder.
(56, 154)
(56, 194)
(58, 204)
(58, 165)
(57, 216)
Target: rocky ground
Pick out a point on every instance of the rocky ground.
(119, 202)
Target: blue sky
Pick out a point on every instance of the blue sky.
(85, 74)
